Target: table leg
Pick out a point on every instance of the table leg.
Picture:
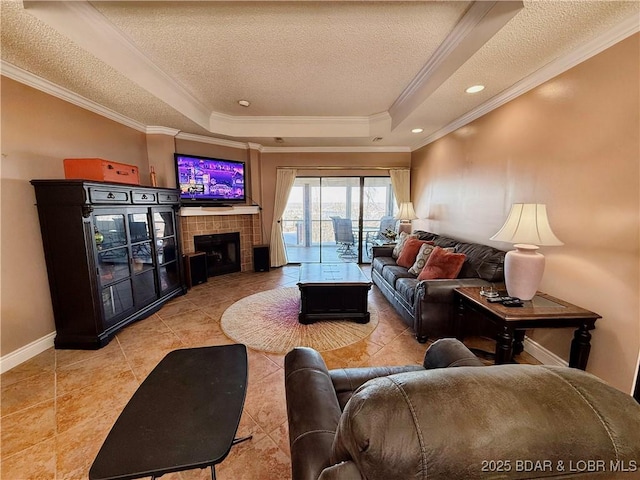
(580, 348)
(213, 472)
(518, 339)
(241, 439)
(504, 346)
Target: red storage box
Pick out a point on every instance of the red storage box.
(102, 170)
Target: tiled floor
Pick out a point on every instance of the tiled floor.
(57, 408)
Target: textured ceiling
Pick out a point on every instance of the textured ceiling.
(317, 73)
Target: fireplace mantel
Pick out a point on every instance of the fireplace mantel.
(233, 210)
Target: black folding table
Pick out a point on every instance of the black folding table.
(184, 415)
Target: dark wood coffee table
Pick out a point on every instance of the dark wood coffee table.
(184, 415)
(333, 291)
(543, 311)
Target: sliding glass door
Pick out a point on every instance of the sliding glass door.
(336, 219)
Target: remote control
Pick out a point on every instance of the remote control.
(499, 299)
(512, 303)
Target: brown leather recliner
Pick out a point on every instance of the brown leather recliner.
(504, 421)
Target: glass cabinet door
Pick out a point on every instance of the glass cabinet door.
(113, 262)
(142, 258)
(166, 249)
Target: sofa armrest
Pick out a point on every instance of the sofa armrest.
(382, 251)
(449, 352)
(348, 380)
(441, 290)
(312, 410)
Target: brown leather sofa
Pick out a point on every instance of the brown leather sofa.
(427, 305)
(431, 422)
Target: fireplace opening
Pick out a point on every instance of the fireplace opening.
(223, 252)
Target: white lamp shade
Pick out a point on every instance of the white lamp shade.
(527, 226)
(406, 211)
(527, 223)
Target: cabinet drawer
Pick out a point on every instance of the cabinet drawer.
(164, 197)
(144, 197)
(103, 195)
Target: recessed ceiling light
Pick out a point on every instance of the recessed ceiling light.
(244, 103)
(417, 130)
(475, 89)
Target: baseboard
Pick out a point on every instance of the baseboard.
(23, 354)
(543, 355)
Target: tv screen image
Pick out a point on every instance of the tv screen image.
(209, 181)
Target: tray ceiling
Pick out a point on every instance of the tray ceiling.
(317, 74)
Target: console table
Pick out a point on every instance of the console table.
(543, 311)
(183, 416)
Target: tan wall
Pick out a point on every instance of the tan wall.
(38, 132)
(572, 143)
(317, 164)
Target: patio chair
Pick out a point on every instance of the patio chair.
(387, 222)
(343, 230)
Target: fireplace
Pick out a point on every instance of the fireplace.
(223, 252)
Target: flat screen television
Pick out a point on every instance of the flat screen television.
(205, 181)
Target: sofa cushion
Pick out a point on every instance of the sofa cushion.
(406, 288)
(409, 252)
(380, 262)
(482, 262)
(392, 273)
(442, 264)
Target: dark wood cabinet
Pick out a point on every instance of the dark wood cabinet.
(112, 254)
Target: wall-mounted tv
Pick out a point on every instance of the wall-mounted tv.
(205, 181)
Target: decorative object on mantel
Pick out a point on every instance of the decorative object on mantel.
(406, 214)
(527, 227)
(268, 321)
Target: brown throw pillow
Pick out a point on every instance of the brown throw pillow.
(442, 264)
(409, 251)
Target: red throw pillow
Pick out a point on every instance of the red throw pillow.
(409, 252)
(442, 264)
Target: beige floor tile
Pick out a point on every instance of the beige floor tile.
(26, 393)
(260, 365)
(77, 447)
(95, 370)
(255, 461)
(35, 463)
(69, 357)
(196, 328)
(41, 363)
(94, 401)
(27, 427)
(265, 403)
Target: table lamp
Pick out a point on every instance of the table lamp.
(527, 227)
(406, 214)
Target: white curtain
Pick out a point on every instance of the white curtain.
(284, 181)
(401, 183)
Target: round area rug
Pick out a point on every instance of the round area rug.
(268, 321)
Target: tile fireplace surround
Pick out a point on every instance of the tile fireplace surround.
(247, 225)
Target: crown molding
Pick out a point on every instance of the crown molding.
(34, 81)
(158, 130)
(90, 30)
(255, 146)
(336, 149)
(192, 137)
(609, 38)
(480, 22)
